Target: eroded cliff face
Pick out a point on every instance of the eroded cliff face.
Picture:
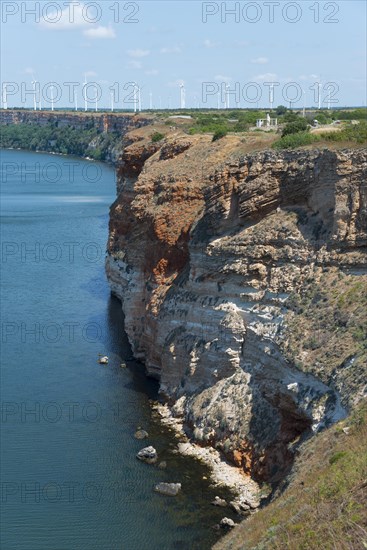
(207, 250)
(117, 124)
(104, 122)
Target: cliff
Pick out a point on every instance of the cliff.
(97, 135)
(104, 122)
(219, 257)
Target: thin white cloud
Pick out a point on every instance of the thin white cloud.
(133, 64)
(308, 77)
(90, 73)
(260, 61)
(100, 32)
(222, 78)
(138, 53)
(29, 70)
(209, 43)
(174, 49)
(267, 77)
(152, 72)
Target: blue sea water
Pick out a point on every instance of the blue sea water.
(69, 476)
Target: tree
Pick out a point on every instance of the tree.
(219, 134)
(299, 125)
(281, 110)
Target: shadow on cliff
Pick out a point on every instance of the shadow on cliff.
(118, 344)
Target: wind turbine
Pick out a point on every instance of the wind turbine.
(75, 100)
(34, 94)
(319, 88)
(304, 103)
(218, 100)
(227, 96)
(271, 96)
(139, 98)
(182, 96)
(112, 104)
(35, 82)
(135, 95)
(85, 93)
(150, 101)
(52, 98)
(329, 99)
(5, 97)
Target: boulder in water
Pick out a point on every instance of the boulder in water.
(148, 455)
(168, 489)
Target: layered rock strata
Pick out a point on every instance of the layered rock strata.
(206, 246)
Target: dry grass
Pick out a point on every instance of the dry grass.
(326, 330)
(325, 504)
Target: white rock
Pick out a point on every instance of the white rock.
(168, 489)
(227, 523)
(148, 455)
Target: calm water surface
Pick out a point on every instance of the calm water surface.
(70, 479)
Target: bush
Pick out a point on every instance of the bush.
(292, 141)
(219, 134)
(299, 125)
(290, 116)
(157, 136)
(356, 133)
(337, 456)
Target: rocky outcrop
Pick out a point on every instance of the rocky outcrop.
(206, 247)
(104, 122)
(109, 130)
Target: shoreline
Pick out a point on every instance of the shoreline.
(246, 492)
(56, 153)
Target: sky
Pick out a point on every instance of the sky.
(303, 48)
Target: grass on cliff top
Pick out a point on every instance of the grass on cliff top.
(351, 134)
(326, 330)
(325, 505)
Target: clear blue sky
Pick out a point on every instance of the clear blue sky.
(171, 43)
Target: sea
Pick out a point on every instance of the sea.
(70, 479)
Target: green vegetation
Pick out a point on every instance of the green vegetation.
(65, 140)
(157, 136)
(218, 134)
(327, 329)
(354, 133)
(224, 121)
(293, 141)
(356, 114)
(325, 505)
(299, 125)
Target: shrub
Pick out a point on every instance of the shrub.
(337, 456)
(219, 134)
(292, 141)
(290, 116)
(299, 125)
(157, 136)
